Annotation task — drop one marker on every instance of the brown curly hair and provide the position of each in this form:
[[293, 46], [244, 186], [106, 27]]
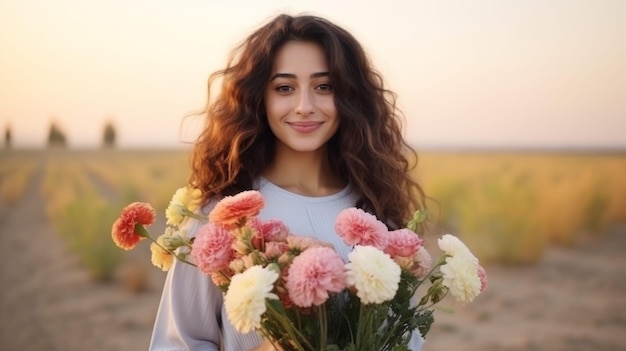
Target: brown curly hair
[[368, 150]]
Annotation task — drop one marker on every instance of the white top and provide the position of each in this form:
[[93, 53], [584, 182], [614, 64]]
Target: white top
[[191, 314]]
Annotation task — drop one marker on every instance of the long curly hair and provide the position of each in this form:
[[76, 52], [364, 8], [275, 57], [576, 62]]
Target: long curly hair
[[368, 150]]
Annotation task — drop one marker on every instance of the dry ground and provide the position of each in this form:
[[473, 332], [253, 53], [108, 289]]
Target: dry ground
[[573, 300]]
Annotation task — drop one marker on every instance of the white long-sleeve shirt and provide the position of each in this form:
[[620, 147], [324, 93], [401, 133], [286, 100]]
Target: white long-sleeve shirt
[[191, 314]]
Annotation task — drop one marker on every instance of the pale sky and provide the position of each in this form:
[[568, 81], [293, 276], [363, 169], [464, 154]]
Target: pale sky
[[480, 73]]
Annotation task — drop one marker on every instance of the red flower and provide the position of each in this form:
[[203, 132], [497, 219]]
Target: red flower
[[129, 229], [230, 211]]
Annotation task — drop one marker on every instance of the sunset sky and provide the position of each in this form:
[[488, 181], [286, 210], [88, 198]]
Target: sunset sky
[[481, 73]]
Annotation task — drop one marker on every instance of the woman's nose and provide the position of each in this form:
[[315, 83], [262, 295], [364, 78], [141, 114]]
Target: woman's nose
[[304, 105]]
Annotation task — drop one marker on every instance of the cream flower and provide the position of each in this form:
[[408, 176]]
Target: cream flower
[[245, 299], [460, 276], [161, 258], [373, 273], [452, 246], [184, 199]]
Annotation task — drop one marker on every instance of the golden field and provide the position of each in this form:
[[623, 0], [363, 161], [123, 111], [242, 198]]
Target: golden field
[[508, 207], [549, 229]]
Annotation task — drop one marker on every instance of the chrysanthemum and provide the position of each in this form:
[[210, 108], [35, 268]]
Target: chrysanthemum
[[245, 299], [160, 257], [373, 273], [229, 211], [129, 228], [460, 276], [211, 250], [314, 274], [357, 227], [452, 246]]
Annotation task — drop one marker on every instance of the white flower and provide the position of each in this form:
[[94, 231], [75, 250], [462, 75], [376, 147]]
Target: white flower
[[373, 273], [460, 272], [460, 276], [245, 299], [185, 198], [452, 246]]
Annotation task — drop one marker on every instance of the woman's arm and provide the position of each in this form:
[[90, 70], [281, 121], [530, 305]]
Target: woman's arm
[[188, 317]]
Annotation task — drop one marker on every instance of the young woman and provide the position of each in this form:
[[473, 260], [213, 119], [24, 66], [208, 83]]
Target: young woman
[[303, 118]]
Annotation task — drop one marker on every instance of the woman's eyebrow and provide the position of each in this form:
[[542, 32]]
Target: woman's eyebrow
[[292, 76]]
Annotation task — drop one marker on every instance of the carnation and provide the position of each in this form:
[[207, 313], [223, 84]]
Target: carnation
[[129, 228], [423, 263], [482, 275], [231, 210], [313, 275], [357, 227], [299, 244], [373, 273], [160, 256], [460, 276], [211, 250], [245, 300], [184, 199], [270, 230], [403, 242]]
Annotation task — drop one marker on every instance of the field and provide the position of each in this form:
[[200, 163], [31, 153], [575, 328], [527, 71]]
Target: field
[[549, 227]]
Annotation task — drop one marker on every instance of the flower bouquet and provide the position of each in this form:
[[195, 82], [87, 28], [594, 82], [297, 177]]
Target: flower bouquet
[[296, 290]]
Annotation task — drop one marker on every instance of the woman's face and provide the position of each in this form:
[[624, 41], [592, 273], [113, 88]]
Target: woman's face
[[299, 98]]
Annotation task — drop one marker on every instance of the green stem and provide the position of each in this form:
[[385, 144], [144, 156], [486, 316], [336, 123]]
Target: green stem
[[321, 310], [440, 262], [294, 334], [170, 251], [194, 215]]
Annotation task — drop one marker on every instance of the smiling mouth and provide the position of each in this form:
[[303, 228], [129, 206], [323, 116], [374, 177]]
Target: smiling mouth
[[305, 127]]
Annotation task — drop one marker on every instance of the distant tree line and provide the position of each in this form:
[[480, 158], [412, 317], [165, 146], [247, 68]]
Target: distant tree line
[[57, 139], [7, 137]]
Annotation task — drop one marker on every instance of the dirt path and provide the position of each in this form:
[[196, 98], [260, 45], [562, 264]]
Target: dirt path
[[574, 300], [48, 301]]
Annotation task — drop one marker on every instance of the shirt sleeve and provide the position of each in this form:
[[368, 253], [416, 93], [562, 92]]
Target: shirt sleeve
[[416, 342], [188, 316]]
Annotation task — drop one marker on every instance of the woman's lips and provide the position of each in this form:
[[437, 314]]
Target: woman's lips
[[305, 127]]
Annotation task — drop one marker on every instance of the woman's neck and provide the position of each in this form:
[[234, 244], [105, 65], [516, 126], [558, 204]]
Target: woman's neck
[[305, 173]]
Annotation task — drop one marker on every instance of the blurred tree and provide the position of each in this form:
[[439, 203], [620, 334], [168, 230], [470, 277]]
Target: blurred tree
[[56, 137], [108, 139], [7, 137]]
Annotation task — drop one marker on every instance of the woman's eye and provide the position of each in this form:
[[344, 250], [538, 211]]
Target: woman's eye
[[284, 88], [325, 87]]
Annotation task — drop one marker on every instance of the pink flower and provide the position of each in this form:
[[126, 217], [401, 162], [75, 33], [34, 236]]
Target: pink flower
[[275, 249], [403, 242], [211, 250], [129, 229], [299, 243], [266, 231], [232, 209], [482, 275], [274, 230], [313, 274], [357, 227], [423, 262]]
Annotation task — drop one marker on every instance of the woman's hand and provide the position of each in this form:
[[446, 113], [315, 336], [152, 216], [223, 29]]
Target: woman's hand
[[267, 346]]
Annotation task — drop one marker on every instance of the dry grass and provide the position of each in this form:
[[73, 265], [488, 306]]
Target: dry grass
[[508, 207]]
